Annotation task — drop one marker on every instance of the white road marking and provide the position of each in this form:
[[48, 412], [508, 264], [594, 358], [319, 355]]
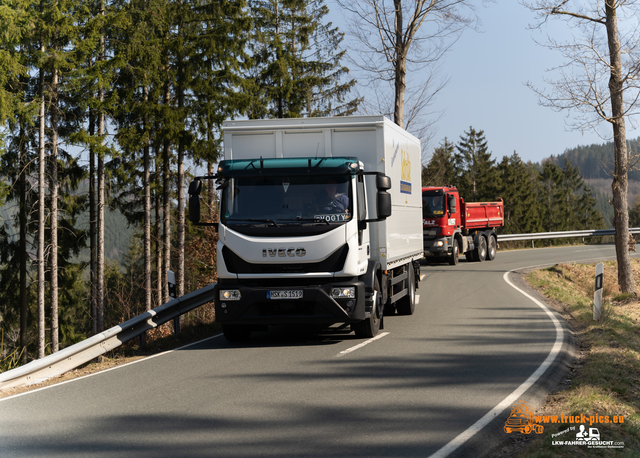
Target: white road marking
[[515, 395], [366, 342]]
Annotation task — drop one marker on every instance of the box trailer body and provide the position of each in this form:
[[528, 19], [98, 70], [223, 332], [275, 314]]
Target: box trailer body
[[453, 226], [285, 256]]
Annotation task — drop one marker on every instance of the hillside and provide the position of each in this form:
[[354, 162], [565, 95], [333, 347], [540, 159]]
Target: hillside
[[117, 232], [596, 163]]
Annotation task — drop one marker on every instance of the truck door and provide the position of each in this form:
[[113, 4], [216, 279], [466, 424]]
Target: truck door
[[363, 229], [453, 210]]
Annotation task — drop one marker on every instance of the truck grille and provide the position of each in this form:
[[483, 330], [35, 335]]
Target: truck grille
[[333, 263]]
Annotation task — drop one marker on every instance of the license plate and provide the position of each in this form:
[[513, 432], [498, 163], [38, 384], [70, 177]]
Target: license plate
[[285, 294]]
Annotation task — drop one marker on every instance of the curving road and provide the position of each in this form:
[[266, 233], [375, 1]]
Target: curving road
[[426, 385]]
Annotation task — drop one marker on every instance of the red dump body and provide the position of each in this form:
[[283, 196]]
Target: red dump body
[[478, 215]]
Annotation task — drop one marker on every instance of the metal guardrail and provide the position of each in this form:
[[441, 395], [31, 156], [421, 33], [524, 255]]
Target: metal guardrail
[[561, 235], [71, 357]]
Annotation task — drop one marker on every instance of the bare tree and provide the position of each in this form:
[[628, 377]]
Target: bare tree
[[599, 82], [400, 38]]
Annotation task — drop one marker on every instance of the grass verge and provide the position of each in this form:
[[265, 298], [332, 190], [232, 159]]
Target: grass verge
[[604, 381]]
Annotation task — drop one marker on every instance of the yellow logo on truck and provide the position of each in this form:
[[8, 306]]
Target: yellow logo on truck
[[405, 178]]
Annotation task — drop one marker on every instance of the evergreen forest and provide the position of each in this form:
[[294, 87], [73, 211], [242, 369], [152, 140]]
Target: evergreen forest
[[107, 109]]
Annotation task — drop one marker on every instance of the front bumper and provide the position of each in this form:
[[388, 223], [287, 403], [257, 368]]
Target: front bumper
[[438, 246], [315, 307]]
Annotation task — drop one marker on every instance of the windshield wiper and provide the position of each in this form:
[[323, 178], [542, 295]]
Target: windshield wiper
[[255, 220], [312, 220]]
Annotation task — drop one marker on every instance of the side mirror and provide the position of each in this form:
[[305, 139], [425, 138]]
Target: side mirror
[[195, 187], [383, 204], [194, 208], [451, 203], [194, 201], [383, 182]]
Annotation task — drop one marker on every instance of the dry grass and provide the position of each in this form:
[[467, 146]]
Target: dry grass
[[605, 377]]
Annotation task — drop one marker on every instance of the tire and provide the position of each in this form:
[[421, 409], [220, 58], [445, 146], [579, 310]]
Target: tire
[[492, 247], [455, 253], [369, 327], [407, 304], [470, 255], [481, 250], [236, 333]]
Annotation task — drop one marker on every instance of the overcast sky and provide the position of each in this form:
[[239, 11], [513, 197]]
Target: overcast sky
[[486, 90]]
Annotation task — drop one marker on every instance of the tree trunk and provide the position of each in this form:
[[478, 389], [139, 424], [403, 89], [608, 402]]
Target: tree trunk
[[181, 203], [93, 274], [212, 190], [401, 67], [166, 204], [147, 216], [100, 233], [159, 267], [22, 189], [620, 183], [53, 190], [41, 217]]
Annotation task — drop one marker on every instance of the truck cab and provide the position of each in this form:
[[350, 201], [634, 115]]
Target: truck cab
[[442, 221]]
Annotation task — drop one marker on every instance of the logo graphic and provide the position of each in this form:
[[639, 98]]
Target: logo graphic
[[405, 178], [522, 420], [592, 435], [283, 252]]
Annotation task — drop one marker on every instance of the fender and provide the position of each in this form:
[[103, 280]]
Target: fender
[[368, 278], [373, 269]]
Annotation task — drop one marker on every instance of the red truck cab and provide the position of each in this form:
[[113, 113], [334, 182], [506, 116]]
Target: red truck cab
[[452, 227]]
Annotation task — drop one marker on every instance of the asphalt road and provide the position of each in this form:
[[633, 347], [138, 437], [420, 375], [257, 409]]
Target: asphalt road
[[427, 379]]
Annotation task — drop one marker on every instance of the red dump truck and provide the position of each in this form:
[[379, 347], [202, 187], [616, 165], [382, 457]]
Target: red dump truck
[[452, 226]]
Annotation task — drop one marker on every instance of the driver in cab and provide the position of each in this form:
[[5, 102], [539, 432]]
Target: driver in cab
[[332, 201]]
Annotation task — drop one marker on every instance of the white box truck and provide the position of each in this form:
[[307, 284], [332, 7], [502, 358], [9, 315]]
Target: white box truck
[[320, 223]]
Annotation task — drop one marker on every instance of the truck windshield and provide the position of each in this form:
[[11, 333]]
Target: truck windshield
[[432, 204], [286, 201]]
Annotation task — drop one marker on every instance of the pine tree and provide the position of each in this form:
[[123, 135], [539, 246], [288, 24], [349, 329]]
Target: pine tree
[[476, 171], [551, 179], [440, 169], [521, 205], [295, 63]]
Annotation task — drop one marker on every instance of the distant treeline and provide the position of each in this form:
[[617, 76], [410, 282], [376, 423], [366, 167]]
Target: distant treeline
[[596, 161]]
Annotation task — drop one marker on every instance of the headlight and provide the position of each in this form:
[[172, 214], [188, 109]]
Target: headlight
[[439, 243], [343, 293], [230, 295]]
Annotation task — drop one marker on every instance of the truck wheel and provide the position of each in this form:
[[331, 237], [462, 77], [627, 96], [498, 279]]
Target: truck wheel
[[492, 248], [455, 253], [481, 251], [236, 333], [369, 327], [407, 304]]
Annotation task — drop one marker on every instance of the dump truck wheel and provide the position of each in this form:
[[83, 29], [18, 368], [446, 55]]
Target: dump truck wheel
[[492, 248]]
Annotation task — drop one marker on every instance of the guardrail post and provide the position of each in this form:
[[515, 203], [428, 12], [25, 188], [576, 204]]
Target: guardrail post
[[532, 244], [597, 296], [171, 279]]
